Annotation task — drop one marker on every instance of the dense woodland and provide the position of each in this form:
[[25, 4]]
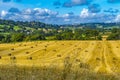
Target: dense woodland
[[11, 31]]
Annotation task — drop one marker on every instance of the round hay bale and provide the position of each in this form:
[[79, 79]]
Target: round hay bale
[[30, 58], [54, 50], [10, 54], [27, 52], [59, 55], [12, 49], [32, 47], [98, 59], [77, 60], [13, 58], [117, 47], [86, 50]]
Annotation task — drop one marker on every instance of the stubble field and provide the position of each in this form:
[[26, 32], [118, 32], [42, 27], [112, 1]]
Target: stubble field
[[98, 57]]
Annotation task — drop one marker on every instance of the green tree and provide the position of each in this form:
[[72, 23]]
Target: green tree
[[6, 39], [17, 37], [37, 37], [1, 37]]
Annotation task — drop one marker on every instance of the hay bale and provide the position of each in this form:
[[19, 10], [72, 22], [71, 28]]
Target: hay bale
[[75, 45], [67, 57], [30, 58], [77, 60], [58, 55], [45, 46], [79, 48], [86, 50], [20, 44], [114, 58], [10, 54], [98, 59], [12, 49], [55, 50], [45, 49], [13, 58], [27, 52], [117, 47], [32, 47], [25, 45]]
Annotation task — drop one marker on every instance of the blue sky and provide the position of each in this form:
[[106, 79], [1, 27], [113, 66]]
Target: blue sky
[[61, 11]]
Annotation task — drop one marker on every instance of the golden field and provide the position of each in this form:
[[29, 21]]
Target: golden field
[[98, 56]]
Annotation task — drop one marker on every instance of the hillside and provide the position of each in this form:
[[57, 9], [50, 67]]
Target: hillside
[[11, 31]]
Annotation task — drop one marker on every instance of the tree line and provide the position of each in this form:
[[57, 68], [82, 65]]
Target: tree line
[[11, 31]]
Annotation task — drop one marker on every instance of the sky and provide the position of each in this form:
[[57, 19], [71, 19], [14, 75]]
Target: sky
[[61, 11]]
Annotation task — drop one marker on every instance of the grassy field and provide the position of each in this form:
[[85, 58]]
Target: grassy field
[[60, 60]]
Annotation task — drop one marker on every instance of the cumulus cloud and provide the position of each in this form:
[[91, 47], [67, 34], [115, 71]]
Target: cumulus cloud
[[3, 13], [28, 14], [71, 3], [88, 17], [94, 8], [117, 19], [27, 11], [69, 15], [84, 13], [44, 12], [52, 17]]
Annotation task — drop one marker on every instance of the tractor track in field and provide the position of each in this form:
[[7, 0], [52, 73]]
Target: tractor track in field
[[65, 52], [21, 50], [102, 56], [104, 65], [113, 58], [52, 54], [33, 50], [16, 48], [87, 54]]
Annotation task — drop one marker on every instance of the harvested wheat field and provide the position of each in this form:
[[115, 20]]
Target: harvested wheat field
[[102, 57]]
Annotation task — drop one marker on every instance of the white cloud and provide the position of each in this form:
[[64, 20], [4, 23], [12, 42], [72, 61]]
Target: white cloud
[[3, 13], [66, 15], [44, 12], [84, 13], [39, 14], [79, 1], [27, 17], [27, 11], [117, 19], [49, 16], [66, 20]]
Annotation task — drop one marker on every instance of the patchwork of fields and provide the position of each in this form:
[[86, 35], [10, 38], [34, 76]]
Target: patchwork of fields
[[97, 56]]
